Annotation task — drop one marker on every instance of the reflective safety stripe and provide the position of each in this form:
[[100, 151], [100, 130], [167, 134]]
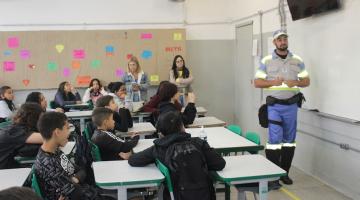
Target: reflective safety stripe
[[303, 74], [297, 57], [260, 74], [266, 58], [283, 87], [273, 146], [289, 144]]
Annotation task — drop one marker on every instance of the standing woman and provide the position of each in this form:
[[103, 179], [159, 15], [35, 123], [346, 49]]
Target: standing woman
[[66, 95], [136, 81], [180, 74], [7, 106], [95, 91]]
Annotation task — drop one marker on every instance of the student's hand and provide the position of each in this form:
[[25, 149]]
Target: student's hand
[[59, 110], [61, 197], [75, 180], [191, 97], [278, 81], [73, 90], [291, 83], [125, 156]]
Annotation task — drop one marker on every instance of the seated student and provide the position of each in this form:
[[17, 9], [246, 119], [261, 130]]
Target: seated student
[[169, 95], [21, 137], [7, 106], [111, 147], [118, 91], [58, 177], [189, 166], [66, 95], [95, 91], [38, 97], [122, 116]]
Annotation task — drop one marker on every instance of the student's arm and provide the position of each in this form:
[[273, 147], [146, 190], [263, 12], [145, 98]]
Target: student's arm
[[34, 138], [117, 145], [103, 91], [77, 96], [142, 158], [172, 77], [86, 96], [214, 160], [187, 81]]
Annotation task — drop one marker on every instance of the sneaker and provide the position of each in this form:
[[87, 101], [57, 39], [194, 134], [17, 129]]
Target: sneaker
[[274, 185], [286, 180]]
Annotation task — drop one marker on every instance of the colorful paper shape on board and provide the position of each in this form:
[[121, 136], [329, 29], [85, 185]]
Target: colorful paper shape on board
[[13, 42], [26, 82], [32, 66], [173, 49], [146, 36], [177, 36], [95, 64], [66, 72], [119, 72], [79, 54], [7, 53], [25, 54], [52, 66], [59, 48], [109, 50], [83, 80], [128, 56], [154, 78], [146, 54], [9, 66], [75, 64]]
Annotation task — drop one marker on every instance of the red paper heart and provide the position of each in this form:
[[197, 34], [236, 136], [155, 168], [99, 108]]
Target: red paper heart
[[31, 66], [128, 56], [26, 82]]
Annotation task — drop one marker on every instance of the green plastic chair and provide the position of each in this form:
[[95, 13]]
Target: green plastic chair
[[95, 151], [34, 184], [165, 171], [52, 104], [254, 137], [235, 128], [5, 124]]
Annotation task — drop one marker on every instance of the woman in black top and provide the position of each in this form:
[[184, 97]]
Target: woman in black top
[[66, 95]]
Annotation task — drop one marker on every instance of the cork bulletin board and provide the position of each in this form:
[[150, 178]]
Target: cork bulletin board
[[43, 59]]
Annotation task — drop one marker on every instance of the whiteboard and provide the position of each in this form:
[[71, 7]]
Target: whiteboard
[[330, 47]]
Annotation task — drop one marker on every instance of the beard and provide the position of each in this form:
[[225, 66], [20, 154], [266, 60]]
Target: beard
[[282, 48]]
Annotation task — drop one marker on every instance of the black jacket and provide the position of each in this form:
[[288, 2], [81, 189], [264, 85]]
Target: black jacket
[[187, 116], [214, 160], [123, 120], [110, 145]]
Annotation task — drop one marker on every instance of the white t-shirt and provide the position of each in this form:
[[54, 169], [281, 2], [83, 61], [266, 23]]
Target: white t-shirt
[[5, 112]]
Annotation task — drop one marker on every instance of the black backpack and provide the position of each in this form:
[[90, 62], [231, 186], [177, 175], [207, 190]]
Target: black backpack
[[188, 170]]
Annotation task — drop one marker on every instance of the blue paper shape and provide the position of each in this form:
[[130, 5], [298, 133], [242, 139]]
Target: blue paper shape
[[146, 54]]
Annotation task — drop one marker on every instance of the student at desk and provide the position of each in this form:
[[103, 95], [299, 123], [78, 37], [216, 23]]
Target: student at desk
[[122, 116], [95, 91], [118, 91], [169, 94], [66, 95], [21, 137], [7, 106], [190, 169], [38, 97], [111, 147], [58, 177]]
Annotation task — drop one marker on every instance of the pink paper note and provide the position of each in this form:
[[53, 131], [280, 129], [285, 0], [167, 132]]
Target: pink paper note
[[25, 54], [66, 72], [119, 72], [79, 54], [13, 42], [146, 36], [9, 66]]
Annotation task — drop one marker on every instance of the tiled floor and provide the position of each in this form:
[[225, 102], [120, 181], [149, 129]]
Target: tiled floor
[[305, 187]]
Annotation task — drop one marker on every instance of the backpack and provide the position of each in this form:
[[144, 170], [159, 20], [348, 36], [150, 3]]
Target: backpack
[[188, 170], [263, 116]]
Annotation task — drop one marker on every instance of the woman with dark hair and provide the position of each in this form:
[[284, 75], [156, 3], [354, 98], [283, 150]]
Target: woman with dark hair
[[95, 91], [180, 74], [66, 95], [169, 95], [118, 91], [7, 106], [136, 81], [39, 98], [21, 137]]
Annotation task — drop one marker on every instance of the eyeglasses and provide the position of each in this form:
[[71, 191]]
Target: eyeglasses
[[179, 61]]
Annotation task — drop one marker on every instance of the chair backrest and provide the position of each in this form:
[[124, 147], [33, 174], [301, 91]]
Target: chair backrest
[[165, 171], [34, 184], [5, 124], [235, 128], [254, 137], [95, 151]]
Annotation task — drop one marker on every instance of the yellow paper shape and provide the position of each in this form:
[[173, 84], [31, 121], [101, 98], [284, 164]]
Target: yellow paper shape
[[177, 36], [154, 78], [59, 48]]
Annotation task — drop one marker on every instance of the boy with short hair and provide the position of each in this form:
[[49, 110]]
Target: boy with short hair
[[58, 177], [111, 147]]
